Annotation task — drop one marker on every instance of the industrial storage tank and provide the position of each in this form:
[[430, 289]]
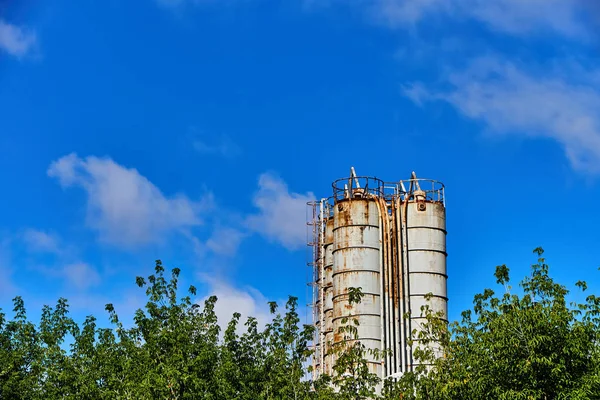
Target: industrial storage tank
[[389, 240], [356, 264], [424, 220]]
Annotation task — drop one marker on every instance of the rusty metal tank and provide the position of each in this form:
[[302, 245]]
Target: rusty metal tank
[[356, 263], [424, 217], [389, 240]]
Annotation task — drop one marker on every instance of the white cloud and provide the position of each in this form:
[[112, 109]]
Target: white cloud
[[249, 302], [225, 241], [282, 215], [510, 100], [40, 241], [16, 41], [408, 12], [220, 145], [124, 206], [509, 16], [7, 286], [76, 276], [80, 275], [518, 16]]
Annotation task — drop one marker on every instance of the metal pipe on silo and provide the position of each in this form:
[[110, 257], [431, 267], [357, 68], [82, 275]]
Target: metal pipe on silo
[[396, 284], [400, 244], [386, 298], [389, 294]]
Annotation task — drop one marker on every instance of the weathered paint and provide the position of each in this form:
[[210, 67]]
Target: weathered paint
[[426, 239], [356, 251], [392, 244]]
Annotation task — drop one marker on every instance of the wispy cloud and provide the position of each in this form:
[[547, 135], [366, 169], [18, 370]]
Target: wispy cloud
[[123, 206], [220, 145], [509, 99], [15, 40], [65, 263], [516, 17], [282, 214], [77, 276], [39, 241], [81, 275], [557, 101], [7, 286], [225, 241], [280, 218]]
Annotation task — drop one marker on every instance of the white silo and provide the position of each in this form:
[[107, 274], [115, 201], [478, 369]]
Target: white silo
[[423, 218], [356, 263], [389, 240]]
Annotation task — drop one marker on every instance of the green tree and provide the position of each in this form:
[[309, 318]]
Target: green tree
[[533, 345]]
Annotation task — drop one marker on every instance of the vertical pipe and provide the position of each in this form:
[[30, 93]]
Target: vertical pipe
[[389, 298], [409, 358], [385, 306], [402, 295], [396, 284], [391, 292], [386, 294]]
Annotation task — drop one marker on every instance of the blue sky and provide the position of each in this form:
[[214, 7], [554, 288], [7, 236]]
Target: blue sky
[[194, 131]]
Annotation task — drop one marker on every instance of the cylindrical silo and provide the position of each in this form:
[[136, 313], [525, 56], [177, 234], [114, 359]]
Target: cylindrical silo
[[356, 263], [424, 220], [389, 240]]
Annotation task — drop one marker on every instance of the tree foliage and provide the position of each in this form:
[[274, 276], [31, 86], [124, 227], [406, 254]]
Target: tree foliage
[[525, 344], [531, 345]]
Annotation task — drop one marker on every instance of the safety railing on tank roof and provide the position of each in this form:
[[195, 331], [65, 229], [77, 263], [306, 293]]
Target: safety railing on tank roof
[[434, 190], [357, 187]]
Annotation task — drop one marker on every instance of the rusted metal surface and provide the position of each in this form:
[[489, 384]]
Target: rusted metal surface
[[426, 240], [356, 251], [389, 239]]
